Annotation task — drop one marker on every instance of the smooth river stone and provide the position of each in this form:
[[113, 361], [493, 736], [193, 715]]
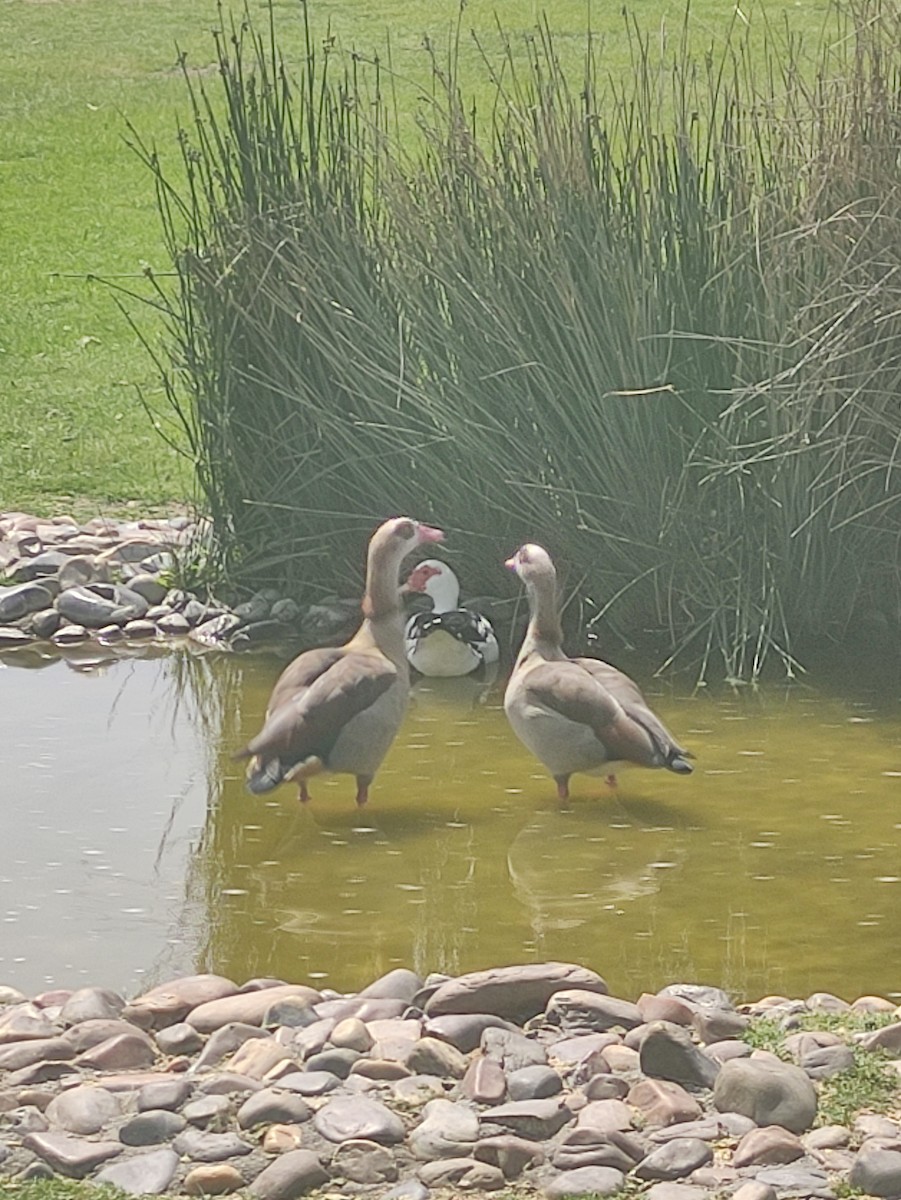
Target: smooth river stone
[[270, 1105], [763, 1147], [151, 1127], [877, 1172], [447, 1130], [352, 1034], [511, 1154], [364, 1162], [201, 1146], [662, 1102], [605, 1115], [91, 1004], [430, 1056], [212, 1179], [512, 1050], [399, 984], [355, 1117], [247, 1007], [83, 1109], [257, 1057], [17, 1055], [584, 1181], [87, 1034], [24, 1022], [769, 1092], [533, 1083], [75, 1157], [464, 1173], [575, 1009], [225, 1041], [515, 993], [464, 1030], [119, 1053], [667, 1052], [168, 1094], [290, 1175], [206, 1109], [665, 1008], [675, 1159], [570, 1052], [171, 1002], [142, 1174], [484, 1081], [533, 1119]]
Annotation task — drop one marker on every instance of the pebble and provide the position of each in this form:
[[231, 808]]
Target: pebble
[[458, 1101]]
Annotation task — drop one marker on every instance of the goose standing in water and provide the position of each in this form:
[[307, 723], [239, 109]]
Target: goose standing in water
[[577, 714], [448, 640], [338, 709]]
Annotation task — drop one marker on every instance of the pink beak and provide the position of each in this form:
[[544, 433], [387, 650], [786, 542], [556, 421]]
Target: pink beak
[[511, 563], [428, 534]]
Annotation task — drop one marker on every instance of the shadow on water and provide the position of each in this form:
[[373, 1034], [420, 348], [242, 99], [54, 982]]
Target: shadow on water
[[137, 853]]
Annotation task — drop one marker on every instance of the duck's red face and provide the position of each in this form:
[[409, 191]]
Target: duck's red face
[[420, 576]]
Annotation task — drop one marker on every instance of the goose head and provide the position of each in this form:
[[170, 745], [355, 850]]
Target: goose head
[[389, 546], [533, 565], [436, 580]]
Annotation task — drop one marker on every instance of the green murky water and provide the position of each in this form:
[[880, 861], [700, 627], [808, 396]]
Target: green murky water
[[133, 853]]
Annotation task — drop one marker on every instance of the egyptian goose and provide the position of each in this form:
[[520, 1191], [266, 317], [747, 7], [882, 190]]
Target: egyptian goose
[[576, 714], [449, 640], [339, 708]]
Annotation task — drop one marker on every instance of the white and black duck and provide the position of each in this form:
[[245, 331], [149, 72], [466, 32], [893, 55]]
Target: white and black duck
[[448, 640]]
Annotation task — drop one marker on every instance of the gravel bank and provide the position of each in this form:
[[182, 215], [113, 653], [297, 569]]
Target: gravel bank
[[531, 1078]]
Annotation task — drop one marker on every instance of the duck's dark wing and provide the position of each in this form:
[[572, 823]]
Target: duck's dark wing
[[304, 722], [460, 623], [627, 692]]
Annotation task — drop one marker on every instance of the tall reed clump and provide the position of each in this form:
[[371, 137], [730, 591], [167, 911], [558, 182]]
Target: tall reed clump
[[653, 321]]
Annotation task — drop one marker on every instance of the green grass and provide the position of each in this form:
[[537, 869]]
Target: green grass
[[75, 202]]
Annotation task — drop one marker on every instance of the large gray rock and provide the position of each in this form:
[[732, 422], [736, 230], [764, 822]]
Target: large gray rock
[[291, 1174], [769, 1092], [515, 993], [464, 1030], [151, 1127], [356, 1117], [675, 1159], [532, 1119], [467, 1174], [447, 1130], [584, 1181], [143, 1174], [23, 598], [767, 1146], [668, 1052], [91, 1004], [364, 1162], [512, 1050], [171, 1002], [75, 1157], [247, 1007], [271, 1105], [575, 1009], [201, 1146], [877, 1172], [83, 1109]]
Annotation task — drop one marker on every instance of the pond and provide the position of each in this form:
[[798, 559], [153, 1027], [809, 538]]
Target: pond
[[132, 852]]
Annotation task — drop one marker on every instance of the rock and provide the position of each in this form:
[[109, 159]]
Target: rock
[[23, 598], [718, 1025], [246, 1007], [515, 993], [532, 1119], [148, 587], [591, 1148], [216, 631], [509, 1153], [207, 1109], [399, 984], [584, 1181], [447, 1130], [279, 1138], [755, 1191], [171, 1002], [364, 1162], [87, 1034], [533, 1083], [796, 1180], [259, 1057], [464, 1030], [606, 1087], [575, 1051], [675, 1159], [464, 1173], [12, 638], [170, 1094], [667, 1052], [662, 1102], [763, 1147], [710, 1128], [605, 1115], [225, 1083], [76, 571], [271, 1105], [429, 1056], [202, 1146], [291, 1175], [877, 1172], [512, 1050], [119, 1053], [175, 624], [70, 635], [139, 629], [226, 1041], [83, 1109], [178, 1039], [887, 1038], [355, 1117], [574, 1009], [17, 1055], [675, 1191], [75, 1157], [309, 1083], [91, 1003], [142, 1174], [698, 995], [151, 1127], [337, 1061], [770, 1093], [484, 1081], [45, 623], [212, 1179]]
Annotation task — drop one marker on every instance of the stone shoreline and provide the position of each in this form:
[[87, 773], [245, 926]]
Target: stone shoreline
[[528, 1078]]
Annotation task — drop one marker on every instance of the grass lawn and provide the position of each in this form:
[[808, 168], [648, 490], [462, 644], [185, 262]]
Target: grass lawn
[[75, 202]]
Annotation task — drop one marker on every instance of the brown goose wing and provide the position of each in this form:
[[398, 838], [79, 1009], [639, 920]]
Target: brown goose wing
[[306, 721], [635, 707], [301, 673]]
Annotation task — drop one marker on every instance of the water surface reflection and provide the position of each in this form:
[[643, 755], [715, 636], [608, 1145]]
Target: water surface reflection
[[773, 868]]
